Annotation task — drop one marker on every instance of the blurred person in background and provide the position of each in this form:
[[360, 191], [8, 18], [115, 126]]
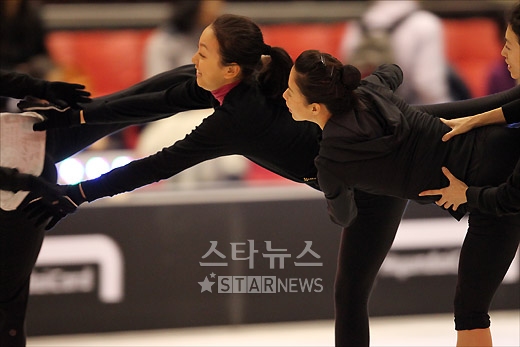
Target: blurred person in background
[[417, 43], [22, 42], [174, 43]]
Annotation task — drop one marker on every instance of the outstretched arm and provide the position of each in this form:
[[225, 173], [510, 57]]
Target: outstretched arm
[[464, 108], [216, 136], [464, 124], [157, 97], [462, 116], [165, 94], [12, 180], [18, 85]]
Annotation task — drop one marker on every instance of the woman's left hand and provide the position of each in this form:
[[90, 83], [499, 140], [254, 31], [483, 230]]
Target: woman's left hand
[[453, 195]]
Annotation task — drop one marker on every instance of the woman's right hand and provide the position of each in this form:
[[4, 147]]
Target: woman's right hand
[[463, 125]]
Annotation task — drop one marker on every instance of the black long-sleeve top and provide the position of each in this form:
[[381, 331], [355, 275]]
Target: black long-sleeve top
[[247, 123], [505, 198], [162, 95], [395, 149]]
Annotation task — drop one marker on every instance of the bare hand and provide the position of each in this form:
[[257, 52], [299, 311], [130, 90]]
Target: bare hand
[[453, 195], [458, 126]]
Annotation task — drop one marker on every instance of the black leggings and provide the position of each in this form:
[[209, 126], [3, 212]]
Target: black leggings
[[20, 245], [364, 246], [487, 252]]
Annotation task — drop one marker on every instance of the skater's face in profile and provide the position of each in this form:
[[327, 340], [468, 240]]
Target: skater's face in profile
[[296, 102], [211, 73], [511, 53]]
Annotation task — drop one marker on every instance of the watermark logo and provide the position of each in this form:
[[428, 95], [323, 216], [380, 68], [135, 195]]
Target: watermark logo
[[277, 258]]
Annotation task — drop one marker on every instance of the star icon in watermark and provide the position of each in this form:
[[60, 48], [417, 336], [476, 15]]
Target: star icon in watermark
[[206, 285]]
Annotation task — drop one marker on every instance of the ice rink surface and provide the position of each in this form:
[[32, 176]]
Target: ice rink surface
[[425, 330]]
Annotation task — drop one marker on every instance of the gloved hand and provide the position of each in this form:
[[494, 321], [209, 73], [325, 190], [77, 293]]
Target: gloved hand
[[66, 94], [14, 181], [55, 117], [50, 210]]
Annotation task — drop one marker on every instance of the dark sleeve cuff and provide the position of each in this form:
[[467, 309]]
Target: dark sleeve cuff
[[90, 191], [472, 194], [512, 112], [485, 200]]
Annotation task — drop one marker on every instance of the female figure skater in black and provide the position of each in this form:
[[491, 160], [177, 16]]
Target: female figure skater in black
[[373, 141], [505, 198]]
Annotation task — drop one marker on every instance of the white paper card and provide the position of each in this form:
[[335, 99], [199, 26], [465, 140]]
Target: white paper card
[[20, 148]]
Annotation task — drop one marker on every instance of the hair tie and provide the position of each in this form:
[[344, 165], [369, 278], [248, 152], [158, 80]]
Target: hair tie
[[267, 50]]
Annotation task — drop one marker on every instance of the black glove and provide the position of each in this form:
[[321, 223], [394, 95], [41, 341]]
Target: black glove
[[14, 181], [55, 117], [46, 209], [66, 94]]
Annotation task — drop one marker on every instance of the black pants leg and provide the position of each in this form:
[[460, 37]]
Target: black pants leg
[[488, 250], [20, 244], [364, 246]]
